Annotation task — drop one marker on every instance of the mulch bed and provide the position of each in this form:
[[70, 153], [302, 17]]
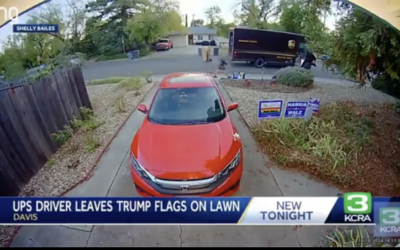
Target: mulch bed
[[265, 86]]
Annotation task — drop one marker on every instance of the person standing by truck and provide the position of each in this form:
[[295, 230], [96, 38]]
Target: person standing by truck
[[308, 59]]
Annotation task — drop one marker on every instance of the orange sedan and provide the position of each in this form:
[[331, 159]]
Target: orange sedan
[[187, 144]]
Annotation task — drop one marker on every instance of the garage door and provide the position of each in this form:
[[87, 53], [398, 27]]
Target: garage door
[[179, 41]]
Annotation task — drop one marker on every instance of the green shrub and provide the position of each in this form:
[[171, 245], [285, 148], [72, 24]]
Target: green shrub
[[295, 77], [62, 136], [92, 142]]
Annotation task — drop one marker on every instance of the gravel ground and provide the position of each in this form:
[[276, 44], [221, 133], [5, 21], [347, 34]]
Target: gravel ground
[[248, 98], [72, 163]]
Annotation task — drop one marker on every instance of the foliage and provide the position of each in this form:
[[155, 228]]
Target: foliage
[[213, 16], [62, 136], [98, 28], [89, 121], [337, 146], [130, 84], [295, 77], [362, 44], [197, 22], [92, 143], [255, 13], [111, 57], [153, 22], [351, 237], [48, 70], [110, 80]]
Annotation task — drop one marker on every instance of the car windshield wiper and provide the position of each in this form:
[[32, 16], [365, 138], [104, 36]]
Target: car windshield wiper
[[156, 121], [193, 123]]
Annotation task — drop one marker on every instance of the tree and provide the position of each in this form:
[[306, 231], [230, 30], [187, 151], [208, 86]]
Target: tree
[[197, 22], [76, 20], [153, 22], [213, 15], [255, 13], [116, 14], [223, 29], [362, 43]]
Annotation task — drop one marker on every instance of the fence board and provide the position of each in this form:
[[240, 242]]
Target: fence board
[[29, 114]]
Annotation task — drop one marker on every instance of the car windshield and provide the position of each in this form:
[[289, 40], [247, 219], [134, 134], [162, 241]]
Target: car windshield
[[187, 106], [163, 41]]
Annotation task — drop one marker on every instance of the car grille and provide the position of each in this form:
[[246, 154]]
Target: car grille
[[193, 187]]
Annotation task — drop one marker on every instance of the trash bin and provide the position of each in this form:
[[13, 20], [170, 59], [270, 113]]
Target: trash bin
[[130, 55], [133, 54], [216, 51], [136, 54]]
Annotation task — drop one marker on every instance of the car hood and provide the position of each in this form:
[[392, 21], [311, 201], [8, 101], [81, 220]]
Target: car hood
[[185, 152]]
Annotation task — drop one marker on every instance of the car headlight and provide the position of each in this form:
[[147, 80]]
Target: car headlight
[[231, 166], [140, 170]]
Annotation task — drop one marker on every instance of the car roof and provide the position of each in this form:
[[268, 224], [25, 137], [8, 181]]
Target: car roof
[[187, 80]]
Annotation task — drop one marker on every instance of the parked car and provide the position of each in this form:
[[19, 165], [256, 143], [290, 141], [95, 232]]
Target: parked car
[[205, 43], [164, 44], [213, 43], [188, 113]]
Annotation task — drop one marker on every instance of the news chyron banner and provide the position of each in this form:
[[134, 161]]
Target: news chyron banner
[[353, 208], [11, 11]]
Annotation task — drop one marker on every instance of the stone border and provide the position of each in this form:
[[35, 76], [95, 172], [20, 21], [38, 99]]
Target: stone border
[[89, 174]]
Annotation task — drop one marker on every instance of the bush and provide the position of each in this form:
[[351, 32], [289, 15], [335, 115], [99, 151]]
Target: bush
[[387, 85], [295, 77]]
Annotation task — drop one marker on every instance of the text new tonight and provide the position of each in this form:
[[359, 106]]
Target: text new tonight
[[39, 206]]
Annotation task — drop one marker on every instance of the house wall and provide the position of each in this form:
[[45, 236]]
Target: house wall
[[179, 40]]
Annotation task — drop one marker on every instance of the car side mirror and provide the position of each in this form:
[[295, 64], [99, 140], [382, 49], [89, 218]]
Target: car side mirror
[[142, 108], [233, 106]]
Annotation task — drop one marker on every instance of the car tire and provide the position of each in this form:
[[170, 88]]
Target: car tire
[[259, 62]]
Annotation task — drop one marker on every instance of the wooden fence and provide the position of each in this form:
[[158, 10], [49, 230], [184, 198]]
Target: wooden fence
[[29, 114]]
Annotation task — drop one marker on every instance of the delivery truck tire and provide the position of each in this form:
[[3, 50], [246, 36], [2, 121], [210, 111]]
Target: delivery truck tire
[[259, 62]]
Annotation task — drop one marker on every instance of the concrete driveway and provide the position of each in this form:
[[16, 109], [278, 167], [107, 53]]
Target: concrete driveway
[[112, 178]]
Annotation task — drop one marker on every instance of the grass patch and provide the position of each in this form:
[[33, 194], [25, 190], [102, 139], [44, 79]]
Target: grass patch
[[111, 80], [342, 146], [111, 57], [130, 84]]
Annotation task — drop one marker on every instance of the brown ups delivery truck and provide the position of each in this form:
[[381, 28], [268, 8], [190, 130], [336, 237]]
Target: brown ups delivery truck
[[264, 47]]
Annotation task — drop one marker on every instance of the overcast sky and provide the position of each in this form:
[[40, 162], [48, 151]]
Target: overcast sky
[[189, 7]]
